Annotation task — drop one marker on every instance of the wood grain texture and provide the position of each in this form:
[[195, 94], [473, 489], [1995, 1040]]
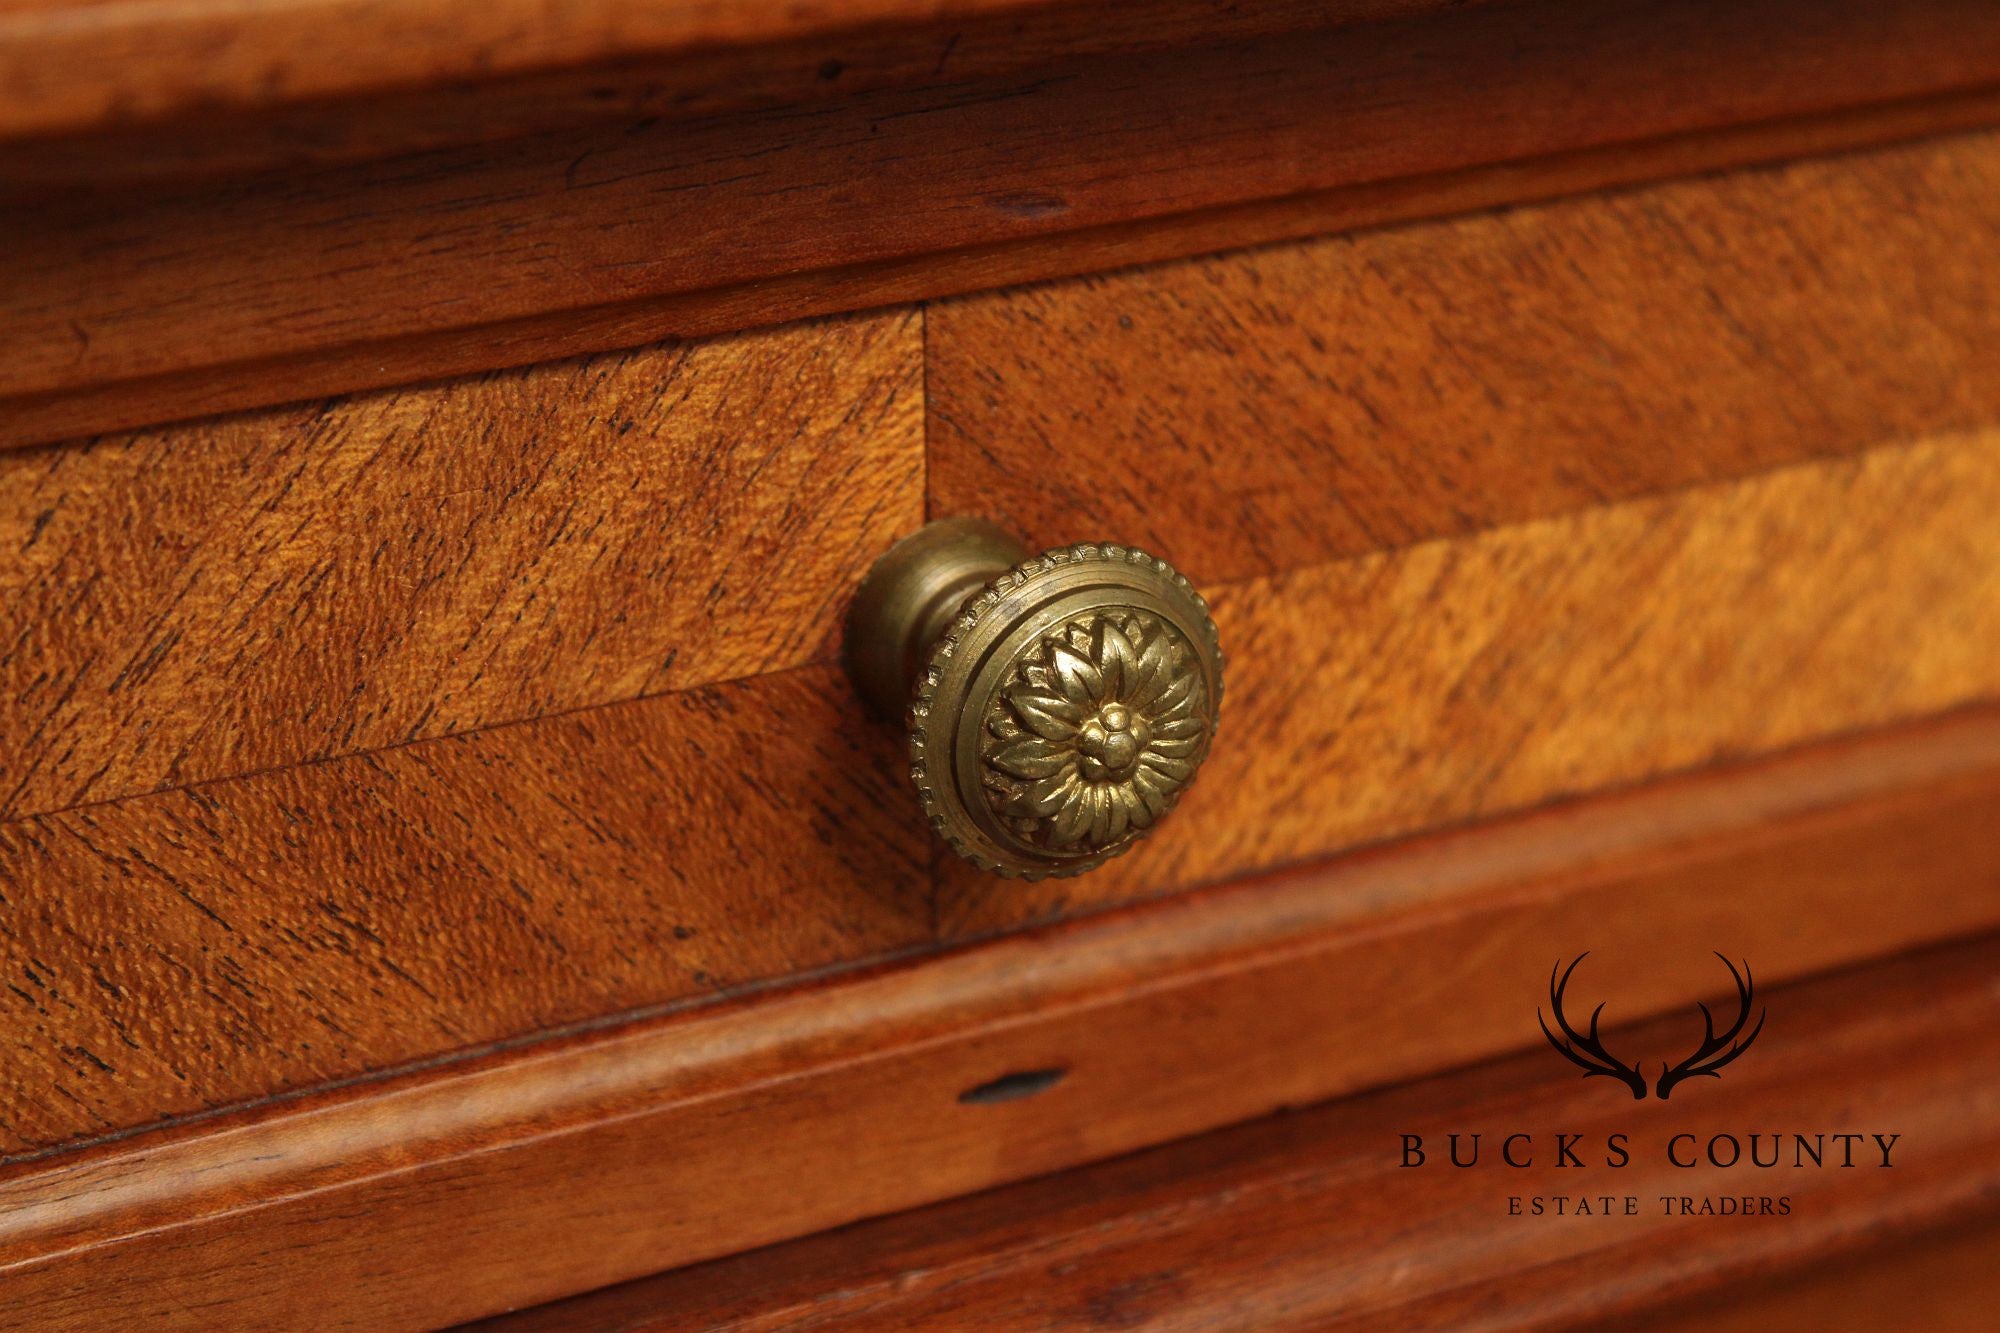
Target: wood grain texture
[[921, 276], [1309, 1221], [1943, 1282], [147, 95], [1455, 679], [541, 1172], [167, 955], [78, 66], [113, 310], [1553, 658], [293, 585], [66, 66], [1257, 412]]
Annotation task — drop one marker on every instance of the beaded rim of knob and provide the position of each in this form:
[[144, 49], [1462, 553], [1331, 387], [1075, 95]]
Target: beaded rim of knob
[[1180, 717]]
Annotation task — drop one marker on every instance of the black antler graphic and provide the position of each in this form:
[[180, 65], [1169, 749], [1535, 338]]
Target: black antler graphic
[[1594, 1059], [1711, 1056]]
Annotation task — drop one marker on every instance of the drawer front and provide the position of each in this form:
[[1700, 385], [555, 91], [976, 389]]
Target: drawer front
[[351, 737], [1253, 413], [346, 736], [289, 586], [1417, 688], [1521, 506]]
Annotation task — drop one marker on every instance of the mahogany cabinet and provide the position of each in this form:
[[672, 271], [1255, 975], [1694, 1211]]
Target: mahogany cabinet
[[1463, 490]]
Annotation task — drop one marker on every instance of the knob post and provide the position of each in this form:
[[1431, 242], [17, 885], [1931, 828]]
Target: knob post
[[913, 592]]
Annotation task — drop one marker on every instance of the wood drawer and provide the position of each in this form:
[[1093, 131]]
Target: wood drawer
[[442, 808], [433, 719], [403, 725]]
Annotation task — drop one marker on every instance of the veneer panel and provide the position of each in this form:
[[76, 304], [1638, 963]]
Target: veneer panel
[[1251, 413], [171, 954], [293, 585], [1451, 680]]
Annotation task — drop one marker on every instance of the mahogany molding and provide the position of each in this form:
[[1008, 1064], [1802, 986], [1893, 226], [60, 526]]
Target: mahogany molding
[[114, 91], [143, 305], [1942, 1279], [1311, 1221], [528, 1174]]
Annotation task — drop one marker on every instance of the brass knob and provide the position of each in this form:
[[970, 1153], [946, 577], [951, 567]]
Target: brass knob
[[1058, 704]]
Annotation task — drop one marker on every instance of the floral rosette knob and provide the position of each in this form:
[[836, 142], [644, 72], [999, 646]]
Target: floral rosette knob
[[1097, 731], [1058, 705]]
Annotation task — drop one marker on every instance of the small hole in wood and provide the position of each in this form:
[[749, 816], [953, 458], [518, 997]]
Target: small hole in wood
[[1013, 1087]]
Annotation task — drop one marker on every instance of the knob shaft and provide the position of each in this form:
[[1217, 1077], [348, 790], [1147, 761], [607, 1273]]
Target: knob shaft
[[1057, 704]]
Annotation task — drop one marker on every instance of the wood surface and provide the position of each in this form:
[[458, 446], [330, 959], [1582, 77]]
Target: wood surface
[[278, 588], [173, 954], [1455, 679], [144, 94], [527, 1174], [1308, 1220], [1256, 412], [411, 804], [512, 871], [70, 67], [129, 308], [1946, 1282], [921, 276], [1719, 621], [1509, 366]]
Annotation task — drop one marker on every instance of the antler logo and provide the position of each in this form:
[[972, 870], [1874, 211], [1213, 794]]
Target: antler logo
[[1587, 1052]]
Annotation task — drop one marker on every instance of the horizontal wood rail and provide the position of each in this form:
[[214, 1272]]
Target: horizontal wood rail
[[528, 1174], [71, 69], [1312, 1220], [127, 307]]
